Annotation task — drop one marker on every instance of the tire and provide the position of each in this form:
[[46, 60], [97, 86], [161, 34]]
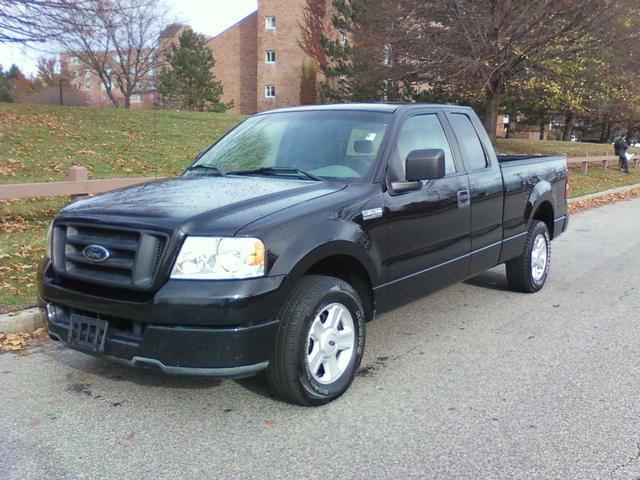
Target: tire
[[528, 272], [297, 365]]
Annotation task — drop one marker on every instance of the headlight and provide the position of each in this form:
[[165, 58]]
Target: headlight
[[49, 240], [219, 258]]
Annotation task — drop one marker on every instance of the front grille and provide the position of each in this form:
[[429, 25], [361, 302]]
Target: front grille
[[134, 256]]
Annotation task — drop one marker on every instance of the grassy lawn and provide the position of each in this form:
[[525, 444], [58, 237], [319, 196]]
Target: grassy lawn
[[39, 143], [571, 149], [597, 179], [23, 228]]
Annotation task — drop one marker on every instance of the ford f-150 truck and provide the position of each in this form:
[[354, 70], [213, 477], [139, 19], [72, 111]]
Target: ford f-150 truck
[[283, 239]]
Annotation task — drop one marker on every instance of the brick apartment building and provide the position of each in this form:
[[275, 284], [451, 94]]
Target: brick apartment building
[[258, 61], [89, 84]]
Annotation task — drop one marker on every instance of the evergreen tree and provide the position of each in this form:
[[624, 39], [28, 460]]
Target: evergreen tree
[[186, 80], [6, 85]]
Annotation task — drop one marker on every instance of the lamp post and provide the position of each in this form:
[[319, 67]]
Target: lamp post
[[61, 79]]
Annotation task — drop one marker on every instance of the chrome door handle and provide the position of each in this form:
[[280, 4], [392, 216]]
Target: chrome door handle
[[464, 199]]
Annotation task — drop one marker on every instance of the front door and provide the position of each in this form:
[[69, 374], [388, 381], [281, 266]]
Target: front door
[[428, 230]]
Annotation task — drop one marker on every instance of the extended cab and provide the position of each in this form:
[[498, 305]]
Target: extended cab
[[279, 243]]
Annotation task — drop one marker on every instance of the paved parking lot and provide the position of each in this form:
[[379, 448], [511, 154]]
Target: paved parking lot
[[472, 382]]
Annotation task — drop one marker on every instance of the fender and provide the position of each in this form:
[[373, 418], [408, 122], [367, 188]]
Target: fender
[[328, 239], [539, 194], [332, 249]]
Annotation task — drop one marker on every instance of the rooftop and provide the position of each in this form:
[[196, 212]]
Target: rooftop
[[369, 107]]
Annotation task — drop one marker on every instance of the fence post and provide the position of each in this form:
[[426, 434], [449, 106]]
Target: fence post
[[78, 174], [605, 162], [585, 165]]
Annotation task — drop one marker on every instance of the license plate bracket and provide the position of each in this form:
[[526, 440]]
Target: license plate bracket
[[87, 333]]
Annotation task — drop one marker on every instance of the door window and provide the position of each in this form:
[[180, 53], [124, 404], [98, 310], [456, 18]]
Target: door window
[[469, 141], [424, 132]]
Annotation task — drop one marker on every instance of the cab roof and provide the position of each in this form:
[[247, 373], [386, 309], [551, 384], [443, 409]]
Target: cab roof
[[367, 107]]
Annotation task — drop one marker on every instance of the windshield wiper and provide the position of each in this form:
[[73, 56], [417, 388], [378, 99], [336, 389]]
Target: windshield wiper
[[203, 166], [277, 171]]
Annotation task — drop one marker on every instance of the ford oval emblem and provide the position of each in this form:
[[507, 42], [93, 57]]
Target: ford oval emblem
[[96, 253]]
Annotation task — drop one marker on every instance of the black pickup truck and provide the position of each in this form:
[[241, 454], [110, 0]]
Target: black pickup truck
[[281, 240]]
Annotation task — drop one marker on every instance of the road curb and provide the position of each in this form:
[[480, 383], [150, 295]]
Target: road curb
[[604, 193], [22, 321]]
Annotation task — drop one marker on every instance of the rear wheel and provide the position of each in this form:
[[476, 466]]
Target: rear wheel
[[320, 341], [528, 272]]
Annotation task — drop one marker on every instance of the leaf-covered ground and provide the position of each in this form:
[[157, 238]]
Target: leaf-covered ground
[[39, 143], [23, 230]]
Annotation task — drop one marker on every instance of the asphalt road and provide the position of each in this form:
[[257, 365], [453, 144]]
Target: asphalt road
[[472, 382]]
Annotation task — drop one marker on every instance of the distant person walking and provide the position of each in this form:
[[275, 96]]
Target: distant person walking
[[620, 147]]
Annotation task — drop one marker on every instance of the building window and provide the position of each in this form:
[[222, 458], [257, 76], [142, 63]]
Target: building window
[[73, 61], [270, 56], [87, 86], [270, 91], [270, 23], [135, 98], [343, 39]]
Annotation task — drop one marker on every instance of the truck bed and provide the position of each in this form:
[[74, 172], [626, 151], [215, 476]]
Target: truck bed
[[526, 177], [528, 158]]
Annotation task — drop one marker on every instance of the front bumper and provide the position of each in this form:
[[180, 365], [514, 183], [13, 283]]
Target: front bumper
[[220, 329]]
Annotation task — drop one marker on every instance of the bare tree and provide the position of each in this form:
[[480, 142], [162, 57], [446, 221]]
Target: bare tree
[[486, 47], [36, 21], [312, 27], [48, 71], [118, 41], [493, 44]]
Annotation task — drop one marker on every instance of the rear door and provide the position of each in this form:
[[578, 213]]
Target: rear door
[[428, 241], [486, 187]]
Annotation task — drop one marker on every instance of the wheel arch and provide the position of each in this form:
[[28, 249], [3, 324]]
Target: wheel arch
[[540, 205], [346, 261]]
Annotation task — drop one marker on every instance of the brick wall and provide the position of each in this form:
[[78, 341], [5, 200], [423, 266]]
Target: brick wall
[[283, 40], [234, 51]]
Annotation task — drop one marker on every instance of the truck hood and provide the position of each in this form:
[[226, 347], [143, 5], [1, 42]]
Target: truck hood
[[220, 205]]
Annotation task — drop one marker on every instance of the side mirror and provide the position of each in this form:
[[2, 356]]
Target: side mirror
[[421, 165], [425, 165]]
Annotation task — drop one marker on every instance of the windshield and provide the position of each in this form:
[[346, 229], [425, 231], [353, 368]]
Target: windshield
[[325, 145]]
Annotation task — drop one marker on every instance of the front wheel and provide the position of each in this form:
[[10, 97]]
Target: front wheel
[[320, 341], [528, 272]]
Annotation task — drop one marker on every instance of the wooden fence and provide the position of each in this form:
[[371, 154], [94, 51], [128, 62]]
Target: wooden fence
[[79, 184], [604, 160]]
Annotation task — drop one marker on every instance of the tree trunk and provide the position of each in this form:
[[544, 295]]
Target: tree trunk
[[604, 127], [542, 127], [492, 97], [112, 98], [127, 101], [609, 125], [568, 125]]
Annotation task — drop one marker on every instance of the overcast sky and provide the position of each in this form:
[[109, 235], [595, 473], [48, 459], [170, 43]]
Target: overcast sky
[[205, 16]]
